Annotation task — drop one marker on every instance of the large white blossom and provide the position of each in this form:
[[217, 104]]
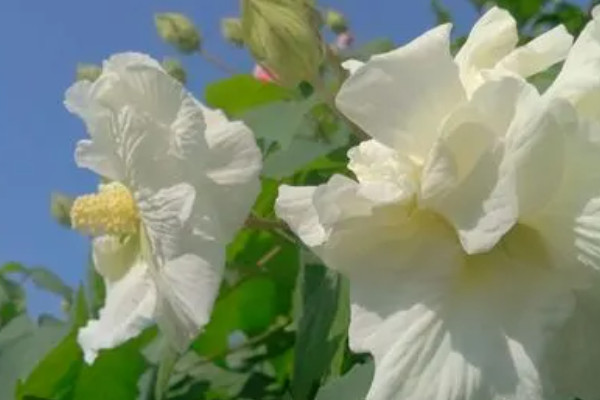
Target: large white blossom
[[491, 51], [179, 180], [471, 234]]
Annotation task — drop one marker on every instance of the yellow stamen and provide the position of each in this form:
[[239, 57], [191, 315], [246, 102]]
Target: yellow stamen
[[112, 211]]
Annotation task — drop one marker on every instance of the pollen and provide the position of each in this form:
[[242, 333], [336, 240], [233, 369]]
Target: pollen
[[111, 211]]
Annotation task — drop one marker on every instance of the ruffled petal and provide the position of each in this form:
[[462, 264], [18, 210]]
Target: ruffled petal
[[186, 257], [579, 81], [400, 98], [541, 53], [129, 308], [295, 206], [492, 38], [384, 174], [442, 328]]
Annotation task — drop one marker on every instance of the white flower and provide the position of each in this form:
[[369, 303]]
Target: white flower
[[471, 235], [182, 179], [490, 51]]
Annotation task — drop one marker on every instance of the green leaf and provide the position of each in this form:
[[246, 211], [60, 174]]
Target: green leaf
[[12, 268], [48, 280], [63, 375], [250, 307], [241, 93], [301, 153], [22, 344], [352, 386], [322, 326], [280, 121]]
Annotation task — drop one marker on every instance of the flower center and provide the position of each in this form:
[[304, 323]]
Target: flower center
[[111, 211]]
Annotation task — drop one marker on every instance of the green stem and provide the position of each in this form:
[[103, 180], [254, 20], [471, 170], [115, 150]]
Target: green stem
[[165, 369]]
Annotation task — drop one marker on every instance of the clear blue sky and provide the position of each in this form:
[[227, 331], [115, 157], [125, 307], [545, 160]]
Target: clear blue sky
[[42, 41]]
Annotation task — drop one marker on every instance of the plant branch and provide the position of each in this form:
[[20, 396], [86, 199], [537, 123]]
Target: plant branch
[[217, 62]]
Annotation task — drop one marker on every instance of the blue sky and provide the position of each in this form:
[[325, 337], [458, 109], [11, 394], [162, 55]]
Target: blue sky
[[42, 41]]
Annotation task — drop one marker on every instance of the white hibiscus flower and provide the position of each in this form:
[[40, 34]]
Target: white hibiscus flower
[[470, 235], [491, 51], [181, 179]]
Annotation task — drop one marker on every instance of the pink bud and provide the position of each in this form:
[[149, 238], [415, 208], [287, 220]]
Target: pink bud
[[262, 74], [344, 40]]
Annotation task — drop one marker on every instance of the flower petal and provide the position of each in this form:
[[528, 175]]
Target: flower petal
[[383, 173], [295, 206], [129, 309], [579, 81], [476, 334], [400, 98], [541, 53], [492, 38]]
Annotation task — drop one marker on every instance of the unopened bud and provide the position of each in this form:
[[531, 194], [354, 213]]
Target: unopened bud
[[283, 36], [231, 28], [336, 21], [60, 208], [179, 31], [175, 69], [88, 72], [344, 40]]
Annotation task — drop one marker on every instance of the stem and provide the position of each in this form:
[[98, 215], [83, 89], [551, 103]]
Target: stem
[[273, 329], [165, 368], [256, 222], [217, 62]]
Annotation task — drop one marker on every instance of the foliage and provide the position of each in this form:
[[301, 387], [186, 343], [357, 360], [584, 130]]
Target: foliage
[[279, 327]]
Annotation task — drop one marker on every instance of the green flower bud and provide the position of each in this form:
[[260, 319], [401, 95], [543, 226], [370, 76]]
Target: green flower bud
[[336, 21], [231, 28], [60, 208], [88, 72], [175, 69], [179, 31], [283, 36]]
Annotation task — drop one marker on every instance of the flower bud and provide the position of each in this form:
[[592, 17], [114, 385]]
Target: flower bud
[[60, 208], [175, 69], [344, 40], [231, 28], [179, 31], [87, 72], [283, 36], [336, 21]]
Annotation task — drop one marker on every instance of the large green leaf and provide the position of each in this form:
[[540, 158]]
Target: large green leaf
[[250, 307], [322, 327], [281, 121], [242, 92], [62, 373], [22, 344]]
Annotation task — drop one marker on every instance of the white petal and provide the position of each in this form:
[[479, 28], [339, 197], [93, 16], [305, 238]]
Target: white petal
[[478, 334], [101, 160], [352, 65], [384, 174], [187, 259], [541, 53], [129, 309], [188, 286], [295, 206], [461, 179], [579, 80], [400, 98], [492, 38], [114, 256], [570, 220], [167, 217], [142, 86], [119, 62]]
